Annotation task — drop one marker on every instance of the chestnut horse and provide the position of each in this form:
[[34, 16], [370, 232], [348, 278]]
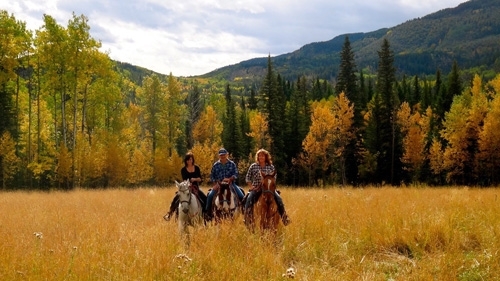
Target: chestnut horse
[[265, 210]]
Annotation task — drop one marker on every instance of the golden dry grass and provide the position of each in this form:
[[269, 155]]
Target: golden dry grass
[[336, 234]]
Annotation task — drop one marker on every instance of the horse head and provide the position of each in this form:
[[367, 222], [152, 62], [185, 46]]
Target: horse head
[[224, 196], [268, 184], [184, 195], [266, 208]]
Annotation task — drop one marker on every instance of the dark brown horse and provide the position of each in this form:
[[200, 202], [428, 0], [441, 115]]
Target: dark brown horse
[[225, 202], [265, 211]]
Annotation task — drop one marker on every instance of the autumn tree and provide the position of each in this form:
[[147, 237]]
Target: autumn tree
[[259, 130], [319, 141], [9, 161], [194, 108], [461, 129], [488, 158], [207, 139], [414, 128], [175, 114], [9, 52], [152, 100], [344, 133]]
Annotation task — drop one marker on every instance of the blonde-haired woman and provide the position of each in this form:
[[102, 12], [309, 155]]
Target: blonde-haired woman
[[263, 163]]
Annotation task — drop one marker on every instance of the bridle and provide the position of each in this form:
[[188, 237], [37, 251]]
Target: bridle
[[264, 187], [189, 195], [183, 190]]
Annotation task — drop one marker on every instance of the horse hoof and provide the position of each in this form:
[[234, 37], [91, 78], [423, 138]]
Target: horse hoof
[[286, 221], [167, 217]]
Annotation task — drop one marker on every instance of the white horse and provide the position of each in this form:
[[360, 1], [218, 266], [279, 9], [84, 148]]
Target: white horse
[[190, 209]]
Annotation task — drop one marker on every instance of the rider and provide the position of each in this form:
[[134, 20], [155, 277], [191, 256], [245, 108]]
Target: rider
[[190, 172], [223, 170], [264, 164]]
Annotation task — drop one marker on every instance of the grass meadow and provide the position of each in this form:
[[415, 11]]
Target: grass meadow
[[384, 233]]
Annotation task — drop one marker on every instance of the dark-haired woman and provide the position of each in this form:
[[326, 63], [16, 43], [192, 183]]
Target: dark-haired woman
[[190, 172]]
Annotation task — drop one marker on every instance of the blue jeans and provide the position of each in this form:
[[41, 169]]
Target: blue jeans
[[238, 191], [277, 197]]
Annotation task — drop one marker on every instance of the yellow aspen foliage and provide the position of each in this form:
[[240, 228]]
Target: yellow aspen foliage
[[37, 141], [259, 130], [479, 107], [414, 128], [97, 156], [344, 133], [462, 125], [117, 161], [140, 169], [64, 166], [205, 154], [167, 168], [495, 85], [343, 111], [320, 137], [489, 137], [208, 129], [9, 160], [436, 158]]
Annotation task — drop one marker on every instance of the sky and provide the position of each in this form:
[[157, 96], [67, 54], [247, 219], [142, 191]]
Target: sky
[[194, 37]]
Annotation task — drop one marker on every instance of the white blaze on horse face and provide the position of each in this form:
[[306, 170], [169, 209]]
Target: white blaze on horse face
[[269, 181]]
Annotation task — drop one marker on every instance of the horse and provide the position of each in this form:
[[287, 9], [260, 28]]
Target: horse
[[226, 203], [265, 210], [190, 209]]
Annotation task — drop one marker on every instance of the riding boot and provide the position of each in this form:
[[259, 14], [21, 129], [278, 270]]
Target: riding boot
[[281, 210], [173, 208], [208, 204]]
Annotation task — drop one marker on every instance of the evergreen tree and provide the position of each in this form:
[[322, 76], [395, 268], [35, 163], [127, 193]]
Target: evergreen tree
[[273, 106], [299, 119], [231, 133], [246, 143], [454, 87], [416, 95], [346, 79], [436, 90], [347, 84], [387, 145], [252, 102], [317, 92]]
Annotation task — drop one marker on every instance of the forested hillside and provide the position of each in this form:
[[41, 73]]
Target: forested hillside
[[71, 117], [468, 34]]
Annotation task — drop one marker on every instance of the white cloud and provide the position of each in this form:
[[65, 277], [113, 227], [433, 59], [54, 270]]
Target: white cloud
[[193, 37]]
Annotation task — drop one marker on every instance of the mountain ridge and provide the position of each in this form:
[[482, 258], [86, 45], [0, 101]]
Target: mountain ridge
[[468, 33]]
